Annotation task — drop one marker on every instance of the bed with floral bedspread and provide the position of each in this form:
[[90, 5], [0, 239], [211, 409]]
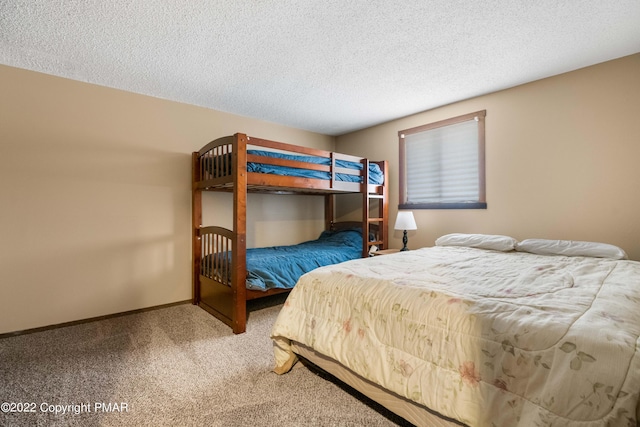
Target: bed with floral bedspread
[[484, 337]]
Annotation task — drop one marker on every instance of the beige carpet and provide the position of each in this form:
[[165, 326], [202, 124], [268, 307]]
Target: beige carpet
[[175, 366]]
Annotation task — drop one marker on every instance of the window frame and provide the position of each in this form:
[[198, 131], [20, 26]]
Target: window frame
[[481, 203]]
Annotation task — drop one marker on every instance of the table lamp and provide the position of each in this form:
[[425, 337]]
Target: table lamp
[[405, 221]]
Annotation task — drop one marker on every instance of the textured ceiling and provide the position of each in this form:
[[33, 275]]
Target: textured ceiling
[[329, 66]]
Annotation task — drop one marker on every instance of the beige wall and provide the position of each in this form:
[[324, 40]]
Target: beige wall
[[562, 159], [95, 183], [95, 198]]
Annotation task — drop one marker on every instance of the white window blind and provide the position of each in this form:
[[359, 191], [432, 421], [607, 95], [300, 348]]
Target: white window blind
[[444, 164]]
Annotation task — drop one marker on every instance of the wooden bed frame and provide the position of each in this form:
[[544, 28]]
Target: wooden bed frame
[[225, 296]]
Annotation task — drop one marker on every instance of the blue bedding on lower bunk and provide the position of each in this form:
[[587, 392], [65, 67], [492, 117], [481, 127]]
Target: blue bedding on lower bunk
[[375, 173], [282, 266]]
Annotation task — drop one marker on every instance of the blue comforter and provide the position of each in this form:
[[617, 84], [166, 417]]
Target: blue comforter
[[282, 266], [375, 173]]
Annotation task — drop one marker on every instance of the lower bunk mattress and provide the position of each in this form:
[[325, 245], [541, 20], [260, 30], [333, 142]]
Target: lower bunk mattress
[[482, 337], [281, 266]]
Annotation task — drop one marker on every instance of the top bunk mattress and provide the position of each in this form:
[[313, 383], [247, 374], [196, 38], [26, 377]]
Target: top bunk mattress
[[376, 176]]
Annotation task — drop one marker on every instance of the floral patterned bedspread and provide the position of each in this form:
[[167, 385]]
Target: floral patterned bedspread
[[484, 337]]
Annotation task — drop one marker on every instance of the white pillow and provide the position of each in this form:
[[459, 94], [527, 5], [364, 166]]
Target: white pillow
[[571, 248], [481, 241]]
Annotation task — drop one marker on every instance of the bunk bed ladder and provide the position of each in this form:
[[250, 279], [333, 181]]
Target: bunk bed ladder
[[374, 215]]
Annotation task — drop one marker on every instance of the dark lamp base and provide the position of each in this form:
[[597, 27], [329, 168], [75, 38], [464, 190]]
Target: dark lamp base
[[405, 240]]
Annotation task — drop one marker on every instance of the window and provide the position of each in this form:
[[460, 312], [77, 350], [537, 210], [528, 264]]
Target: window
[[442, 164]]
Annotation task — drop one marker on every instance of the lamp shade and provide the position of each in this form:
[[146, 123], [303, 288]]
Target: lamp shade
[[405, 221]]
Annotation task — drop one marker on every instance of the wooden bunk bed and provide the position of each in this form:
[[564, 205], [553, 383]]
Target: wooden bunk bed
[[228, 165]]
